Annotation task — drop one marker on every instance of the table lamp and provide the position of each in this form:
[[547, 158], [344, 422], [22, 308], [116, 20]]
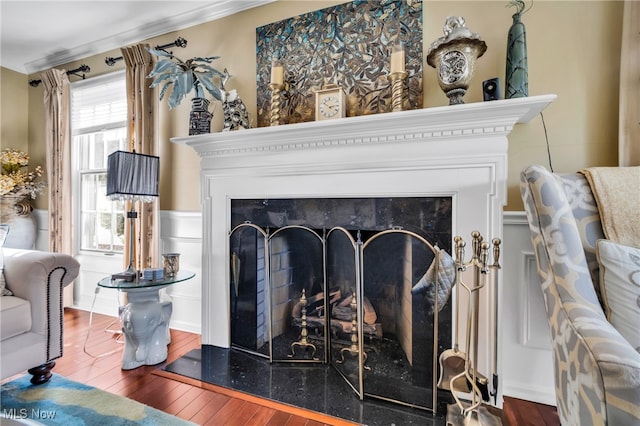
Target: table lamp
[[132, 177]]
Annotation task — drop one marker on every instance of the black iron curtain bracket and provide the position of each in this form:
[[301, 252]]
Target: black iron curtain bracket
[[180, 42], [81, 69]]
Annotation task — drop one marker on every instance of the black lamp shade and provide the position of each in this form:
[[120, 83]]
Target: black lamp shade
[[132, 176]]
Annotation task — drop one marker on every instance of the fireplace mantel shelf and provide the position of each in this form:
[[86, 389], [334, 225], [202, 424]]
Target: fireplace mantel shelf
[[437, 123]]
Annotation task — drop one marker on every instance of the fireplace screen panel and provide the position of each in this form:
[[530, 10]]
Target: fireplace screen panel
[[340, 275], [297, 294], [343, 282], [401, 363], [248, 304]]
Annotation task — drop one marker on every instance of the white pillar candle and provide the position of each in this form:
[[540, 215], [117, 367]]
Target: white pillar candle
[[277, 73], [397, 58]]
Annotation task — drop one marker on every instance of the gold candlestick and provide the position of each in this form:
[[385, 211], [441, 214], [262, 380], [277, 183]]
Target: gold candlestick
[[275, 103], [397, 89]]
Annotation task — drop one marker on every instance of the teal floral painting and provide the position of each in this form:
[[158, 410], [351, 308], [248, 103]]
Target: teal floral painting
[[348, 45]]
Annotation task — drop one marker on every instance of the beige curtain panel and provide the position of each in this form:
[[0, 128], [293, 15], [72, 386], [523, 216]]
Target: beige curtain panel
[[142, 117], [57, 95], [629, 138]]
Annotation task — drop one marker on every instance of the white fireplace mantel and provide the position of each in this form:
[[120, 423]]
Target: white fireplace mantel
[[438, 124], [458, 151]]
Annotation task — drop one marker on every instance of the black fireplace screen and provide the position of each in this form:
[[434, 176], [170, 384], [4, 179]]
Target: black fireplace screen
[[334, 281]]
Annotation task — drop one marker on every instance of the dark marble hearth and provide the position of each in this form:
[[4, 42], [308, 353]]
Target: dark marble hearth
[[316, 387]]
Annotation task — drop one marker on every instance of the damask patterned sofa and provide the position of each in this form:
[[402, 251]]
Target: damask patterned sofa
[[597, 371]]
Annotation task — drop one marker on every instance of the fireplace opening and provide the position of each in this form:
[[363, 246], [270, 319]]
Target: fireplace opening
[[334, 281]]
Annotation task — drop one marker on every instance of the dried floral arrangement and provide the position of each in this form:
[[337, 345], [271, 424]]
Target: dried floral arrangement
[[349, 45], [15, 180]]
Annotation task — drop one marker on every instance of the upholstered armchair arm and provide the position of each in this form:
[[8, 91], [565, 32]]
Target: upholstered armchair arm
[[40, 277], [598, 378], [597, 372]]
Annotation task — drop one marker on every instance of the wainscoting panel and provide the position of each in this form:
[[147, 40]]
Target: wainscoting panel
[[181, 232], [527, 367], [535, 333]]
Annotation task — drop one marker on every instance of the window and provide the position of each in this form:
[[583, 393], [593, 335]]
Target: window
[[98, 128]]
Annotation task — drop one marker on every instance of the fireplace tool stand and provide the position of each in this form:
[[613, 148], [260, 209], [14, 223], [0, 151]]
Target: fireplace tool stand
[[473, 412]]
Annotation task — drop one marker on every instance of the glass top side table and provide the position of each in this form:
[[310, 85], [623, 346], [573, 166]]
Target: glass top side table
[[145, 319], [141, 284]]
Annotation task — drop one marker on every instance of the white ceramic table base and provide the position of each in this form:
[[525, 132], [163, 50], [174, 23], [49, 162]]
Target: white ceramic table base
[[145, 323]]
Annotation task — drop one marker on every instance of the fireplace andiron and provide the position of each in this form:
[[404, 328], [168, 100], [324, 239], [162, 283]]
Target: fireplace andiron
[[354, 349], [304, 333]]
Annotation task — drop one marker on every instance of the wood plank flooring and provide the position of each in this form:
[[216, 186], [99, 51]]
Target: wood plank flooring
[[188, 399], [200, 402], [518, 412]]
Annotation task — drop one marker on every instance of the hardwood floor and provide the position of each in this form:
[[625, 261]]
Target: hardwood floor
[[188, 399], [200, 402], [518, 412]]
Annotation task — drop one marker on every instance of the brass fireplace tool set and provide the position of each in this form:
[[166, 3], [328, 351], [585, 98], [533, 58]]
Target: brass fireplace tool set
[[458, 369]]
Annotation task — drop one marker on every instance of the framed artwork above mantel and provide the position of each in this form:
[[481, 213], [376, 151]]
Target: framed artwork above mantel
[[348, 45]]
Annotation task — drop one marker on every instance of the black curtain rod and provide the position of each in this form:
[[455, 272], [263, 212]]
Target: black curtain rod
[[81, 69], [180, 42]]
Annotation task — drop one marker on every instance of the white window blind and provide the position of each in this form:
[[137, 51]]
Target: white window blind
[[98, 106], [99, 127]]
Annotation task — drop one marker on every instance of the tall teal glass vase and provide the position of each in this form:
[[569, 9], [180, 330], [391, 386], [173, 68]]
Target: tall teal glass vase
[[517, 78]]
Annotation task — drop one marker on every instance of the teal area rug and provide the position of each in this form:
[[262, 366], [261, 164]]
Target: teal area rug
[[64, 402]]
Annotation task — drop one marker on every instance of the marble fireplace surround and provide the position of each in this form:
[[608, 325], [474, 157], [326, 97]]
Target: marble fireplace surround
[[458, 151]]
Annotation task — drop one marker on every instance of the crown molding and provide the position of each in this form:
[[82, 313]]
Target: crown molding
[[210, 12]]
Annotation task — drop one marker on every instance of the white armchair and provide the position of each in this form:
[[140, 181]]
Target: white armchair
[[31, 325]]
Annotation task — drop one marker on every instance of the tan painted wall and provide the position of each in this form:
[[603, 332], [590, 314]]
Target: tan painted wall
[[573, 51], [15, 126], [14, 110]]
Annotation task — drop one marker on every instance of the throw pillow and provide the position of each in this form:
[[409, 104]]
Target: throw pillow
[[620, 286], [4, 291]]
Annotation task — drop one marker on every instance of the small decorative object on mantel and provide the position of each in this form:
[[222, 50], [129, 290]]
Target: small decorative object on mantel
[[331, 102], [397, 76], [236, 115], [454, 57], [276, 86], [199, 117], [517, 84], [17, 187], [182, 77]]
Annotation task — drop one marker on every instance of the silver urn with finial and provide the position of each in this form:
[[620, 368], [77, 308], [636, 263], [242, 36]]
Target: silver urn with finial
[[454, 57]]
